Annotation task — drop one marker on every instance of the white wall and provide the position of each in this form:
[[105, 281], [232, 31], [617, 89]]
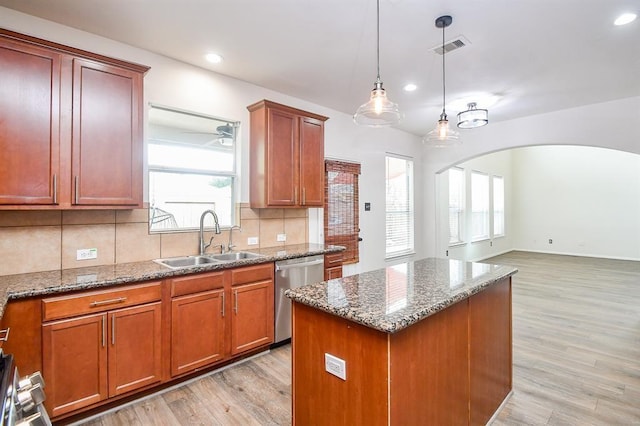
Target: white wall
[[176, 84], [587, 200], [496, 164], [611, 124]]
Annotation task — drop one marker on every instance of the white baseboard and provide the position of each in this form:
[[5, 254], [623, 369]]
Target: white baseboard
[[600, 256]]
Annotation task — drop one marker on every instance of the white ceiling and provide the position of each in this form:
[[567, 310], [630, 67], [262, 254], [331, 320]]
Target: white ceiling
[[535, 55]]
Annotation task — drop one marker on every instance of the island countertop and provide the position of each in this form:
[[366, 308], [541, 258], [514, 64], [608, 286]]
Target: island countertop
[[395, 297]]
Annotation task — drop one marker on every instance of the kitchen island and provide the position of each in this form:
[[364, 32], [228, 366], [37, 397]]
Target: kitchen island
[[424, 342]]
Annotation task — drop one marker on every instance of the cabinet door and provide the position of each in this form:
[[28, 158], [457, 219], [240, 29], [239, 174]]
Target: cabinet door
[[106, 135], [29, 124], [197, 331], [311, 162], [75, 363], [282, 158], [134, 348], [252, 316]]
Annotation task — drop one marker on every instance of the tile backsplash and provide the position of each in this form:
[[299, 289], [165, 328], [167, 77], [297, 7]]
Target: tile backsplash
[[33, 241]]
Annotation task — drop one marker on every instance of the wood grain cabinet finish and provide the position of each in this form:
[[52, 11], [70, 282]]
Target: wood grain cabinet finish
[[332, 266], [287, 156], [198, 321], [71, 134], [89, 358]]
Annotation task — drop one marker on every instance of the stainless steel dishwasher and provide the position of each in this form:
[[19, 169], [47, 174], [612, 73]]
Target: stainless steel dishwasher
[[293, 273]]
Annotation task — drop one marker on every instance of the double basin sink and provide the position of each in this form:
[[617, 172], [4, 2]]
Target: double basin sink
[[209, 259]]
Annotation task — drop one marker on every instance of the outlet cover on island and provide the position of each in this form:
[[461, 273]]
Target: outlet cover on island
[[281, 237], [86, 254], [336, 366], [252, 241]]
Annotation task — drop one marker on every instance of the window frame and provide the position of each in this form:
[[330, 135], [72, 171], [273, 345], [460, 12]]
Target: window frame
[[462, 211], [409, 249], [493, 207], [475, 237]]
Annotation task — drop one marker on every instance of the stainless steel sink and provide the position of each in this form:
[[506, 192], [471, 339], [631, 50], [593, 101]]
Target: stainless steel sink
[[186, 261], [233, 256]]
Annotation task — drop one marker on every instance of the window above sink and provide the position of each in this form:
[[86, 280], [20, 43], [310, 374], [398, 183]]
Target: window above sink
[[192, 168]]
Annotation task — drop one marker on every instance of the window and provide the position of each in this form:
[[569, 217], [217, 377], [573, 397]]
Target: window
[[479, 206], [498, 206], [341, 214], [191, 169], [456, 205], [399, 206]]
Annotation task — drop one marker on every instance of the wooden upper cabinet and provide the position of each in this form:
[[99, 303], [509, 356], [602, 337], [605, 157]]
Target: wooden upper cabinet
[[71, 134], [287, 156], [29, 117], [107, 124]]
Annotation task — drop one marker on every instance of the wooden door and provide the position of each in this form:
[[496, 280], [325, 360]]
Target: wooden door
[[197, 330], [282, 158], [252, 316], [311, 162], [134, 340], [106, 135], [29, 124], [75, 363]]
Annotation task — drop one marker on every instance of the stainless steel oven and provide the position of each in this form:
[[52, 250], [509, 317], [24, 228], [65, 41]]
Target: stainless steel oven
[[22, 402]]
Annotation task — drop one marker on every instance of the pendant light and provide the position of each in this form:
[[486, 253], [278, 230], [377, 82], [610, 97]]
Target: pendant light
[[442, 135], [379, 111], [473, 117]]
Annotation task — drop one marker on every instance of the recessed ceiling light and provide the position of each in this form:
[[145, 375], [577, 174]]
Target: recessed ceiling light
[[410, 87], [625, 18], [214, 58]]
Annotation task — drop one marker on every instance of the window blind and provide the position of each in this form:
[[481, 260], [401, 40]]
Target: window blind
[[341, 211], [399, 206], [479, 205], [456, 205]]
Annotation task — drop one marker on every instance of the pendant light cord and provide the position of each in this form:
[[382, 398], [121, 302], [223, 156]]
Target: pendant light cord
[[444, 84], [378, 37]]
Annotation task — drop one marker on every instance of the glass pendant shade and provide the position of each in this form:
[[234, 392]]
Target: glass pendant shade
[[379, 111], [473, 117], [442, 136]]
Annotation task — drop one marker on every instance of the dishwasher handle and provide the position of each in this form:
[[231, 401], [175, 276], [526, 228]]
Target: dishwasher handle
[[299, 265]]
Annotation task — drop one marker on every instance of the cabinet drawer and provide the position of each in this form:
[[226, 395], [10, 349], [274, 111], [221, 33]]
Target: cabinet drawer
[[332, 259], [251, 274], [196, 284], [99, 301]]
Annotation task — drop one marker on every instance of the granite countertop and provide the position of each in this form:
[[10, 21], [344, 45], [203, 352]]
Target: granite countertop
[[60, 281], [398, 296]]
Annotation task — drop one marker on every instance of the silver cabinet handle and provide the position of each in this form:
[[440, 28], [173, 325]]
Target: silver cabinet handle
[[304, 196], [295, 195], [5, 334], [113, 330], [55, 188], [223, 304], [235, 308], [107, 302], [104, 332], [76, 189]]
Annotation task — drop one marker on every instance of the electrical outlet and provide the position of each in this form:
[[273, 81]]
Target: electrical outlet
[[252, 241], [86, 254], [550, 241], [281, 237], [336, 366]]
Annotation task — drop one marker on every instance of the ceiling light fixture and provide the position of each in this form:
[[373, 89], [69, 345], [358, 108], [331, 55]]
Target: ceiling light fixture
[[442, 135], [379, 111], [214, 58], [473, 117], [410, 87], [625, 19]]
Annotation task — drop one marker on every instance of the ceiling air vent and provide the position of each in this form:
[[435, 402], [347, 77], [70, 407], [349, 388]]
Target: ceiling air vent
[[451, 45]]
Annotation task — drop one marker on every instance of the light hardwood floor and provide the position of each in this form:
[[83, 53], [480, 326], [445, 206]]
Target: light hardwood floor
[[576, 354]]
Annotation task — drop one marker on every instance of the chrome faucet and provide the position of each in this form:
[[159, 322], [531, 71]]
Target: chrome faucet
[[230, 244], [203, 247]]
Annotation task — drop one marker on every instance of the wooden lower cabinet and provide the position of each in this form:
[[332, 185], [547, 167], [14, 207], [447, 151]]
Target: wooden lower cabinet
[[93, 357], [332, 266], [197, 331], [252, 317]]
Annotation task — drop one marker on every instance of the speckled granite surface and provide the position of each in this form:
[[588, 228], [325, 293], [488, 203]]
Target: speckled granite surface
[[54, 282], [395, 297]]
